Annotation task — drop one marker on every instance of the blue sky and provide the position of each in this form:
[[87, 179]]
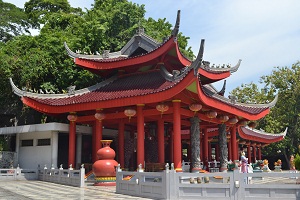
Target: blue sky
[[263, 33]]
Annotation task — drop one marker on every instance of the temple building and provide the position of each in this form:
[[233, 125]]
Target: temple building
[[159, 102]]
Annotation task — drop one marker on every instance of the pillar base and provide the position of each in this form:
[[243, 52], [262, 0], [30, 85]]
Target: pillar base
[[105, 181], [196, 170], [178, 170]]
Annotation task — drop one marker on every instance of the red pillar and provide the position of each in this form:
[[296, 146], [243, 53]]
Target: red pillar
[[249, 153], [259, 153], [238, 150], [140, 136], [209, 151], [229, 151], [234, 150], [94, 151], [254, 153], [161, 140], [171, 146], [99, 131], [201, 146], [205, 145], [121, 142], [72, 140], [177, 135]]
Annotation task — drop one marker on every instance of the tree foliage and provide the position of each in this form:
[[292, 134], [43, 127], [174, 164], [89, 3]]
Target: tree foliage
[[40, 62], [284, 81], [13, 21]]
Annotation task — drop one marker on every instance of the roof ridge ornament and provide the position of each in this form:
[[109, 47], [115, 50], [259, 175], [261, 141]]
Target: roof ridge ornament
[[176, 27], [140, 29], [222, 91], [175, 75], [196, 64]]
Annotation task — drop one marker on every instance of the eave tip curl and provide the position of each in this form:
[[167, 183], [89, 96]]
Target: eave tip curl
[[176, 27]]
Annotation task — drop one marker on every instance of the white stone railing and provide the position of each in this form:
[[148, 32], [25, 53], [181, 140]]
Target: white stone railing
[[221, 185], [63, 176], [18, 174]]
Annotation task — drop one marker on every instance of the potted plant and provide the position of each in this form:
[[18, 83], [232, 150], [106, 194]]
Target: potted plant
[[297, 162]]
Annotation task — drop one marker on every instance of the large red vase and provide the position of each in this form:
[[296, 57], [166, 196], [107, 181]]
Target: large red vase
[[105, 168]]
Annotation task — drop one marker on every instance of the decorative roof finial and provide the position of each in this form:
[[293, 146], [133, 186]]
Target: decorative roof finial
[[140, 29], [197, 63], [176, 27]]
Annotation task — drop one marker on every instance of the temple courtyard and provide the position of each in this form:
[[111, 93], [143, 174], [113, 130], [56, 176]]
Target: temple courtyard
[[24, 190]]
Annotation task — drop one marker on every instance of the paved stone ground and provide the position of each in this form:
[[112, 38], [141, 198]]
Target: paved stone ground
[[26, 190]]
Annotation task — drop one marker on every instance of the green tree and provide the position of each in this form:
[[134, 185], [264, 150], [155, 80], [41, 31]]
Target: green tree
[[13, 21], [39, 11], [40, 62], [283, 81]]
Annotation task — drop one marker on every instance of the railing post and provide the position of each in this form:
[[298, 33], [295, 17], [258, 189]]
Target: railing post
[[237, 184], [69, 170], [44, 173], [173, 188], [18, 172], [166, 177], [82, 174]]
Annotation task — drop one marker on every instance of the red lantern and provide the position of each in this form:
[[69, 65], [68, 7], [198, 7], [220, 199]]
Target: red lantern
[[99, 115], [252, 125], [258, 144], [72, 117], [195, 107], [233, 120], [129, 112], [162, 108], [243, 122], [223, 118], [211, 114], [243, 142]]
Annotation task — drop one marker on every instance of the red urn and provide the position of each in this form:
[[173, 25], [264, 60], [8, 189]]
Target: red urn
[[104, 168]]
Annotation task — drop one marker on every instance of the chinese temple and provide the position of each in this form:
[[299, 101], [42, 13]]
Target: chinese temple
[[151, 90]]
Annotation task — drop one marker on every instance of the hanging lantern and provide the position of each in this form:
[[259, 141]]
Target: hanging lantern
[[195, 107], [211, 114], [99, 115], [72, 117], [243, 142], [233, 120], [252, 125], [243, 122], [223, 118], [162, 108], [129, 112]]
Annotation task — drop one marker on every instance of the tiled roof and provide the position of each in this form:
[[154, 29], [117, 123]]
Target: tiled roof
[[249, 133], [126, 86], [249, 108]]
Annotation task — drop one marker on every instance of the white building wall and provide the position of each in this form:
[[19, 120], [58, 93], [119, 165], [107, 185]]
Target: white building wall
[[32, 156]]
